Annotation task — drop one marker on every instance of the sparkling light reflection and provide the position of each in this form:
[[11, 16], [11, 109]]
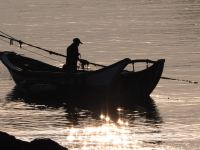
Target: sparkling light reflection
[[106, 136]]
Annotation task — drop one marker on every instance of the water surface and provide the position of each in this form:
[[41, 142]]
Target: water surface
[[111, 30]]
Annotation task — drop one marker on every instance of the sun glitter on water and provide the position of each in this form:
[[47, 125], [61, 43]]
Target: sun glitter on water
[[106, 136]]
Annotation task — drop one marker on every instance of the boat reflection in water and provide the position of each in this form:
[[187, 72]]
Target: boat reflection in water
[[136, 126]]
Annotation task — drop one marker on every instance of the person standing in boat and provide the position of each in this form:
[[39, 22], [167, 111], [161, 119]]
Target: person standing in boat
[[73, 55]]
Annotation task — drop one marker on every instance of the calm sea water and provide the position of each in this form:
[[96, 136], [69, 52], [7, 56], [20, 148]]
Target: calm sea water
[[111, 30]]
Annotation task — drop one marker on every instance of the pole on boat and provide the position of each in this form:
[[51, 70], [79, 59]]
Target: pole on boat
[[188, 81]]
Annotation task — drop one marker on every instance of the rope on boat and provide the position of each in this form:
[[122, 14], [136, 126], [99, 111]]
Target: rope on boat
[[82, 61], [11, 42], [188, 81]]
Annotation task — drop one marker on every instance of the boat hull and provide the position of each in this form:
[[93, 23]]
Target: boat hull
[[113, 82]]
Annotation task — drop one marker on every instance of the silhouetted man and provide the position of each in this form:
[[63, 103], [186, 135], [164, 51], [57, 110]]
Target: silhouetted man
[[72, 55]]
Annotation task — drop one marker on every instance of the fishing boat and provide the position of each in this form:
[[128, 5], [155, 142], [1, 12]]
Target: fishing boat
[[35, 76]]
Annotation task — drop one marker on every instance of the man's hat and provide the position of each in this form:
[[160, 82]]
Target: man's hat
[[77, 40]]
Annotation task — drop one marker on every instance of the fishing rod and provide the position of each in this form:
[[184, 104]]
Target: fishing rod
[[83, 61]]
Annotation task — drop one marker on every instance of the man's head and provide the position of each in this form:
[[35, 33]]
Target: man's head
[[77, 41]]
